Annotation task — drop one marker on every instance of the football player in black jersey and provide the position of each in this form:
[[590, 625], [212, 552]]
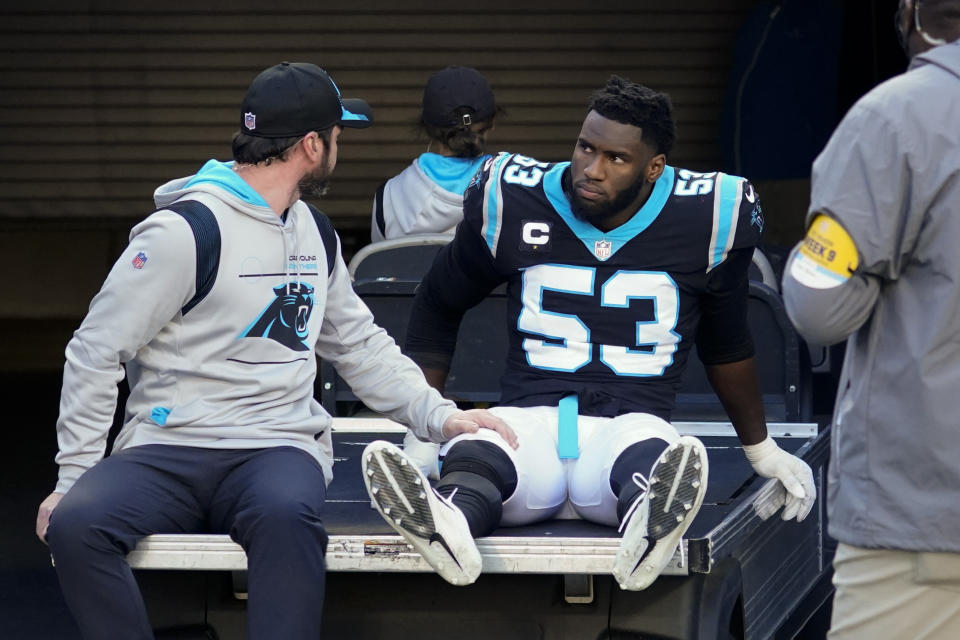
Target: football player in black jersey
[[616, 263]]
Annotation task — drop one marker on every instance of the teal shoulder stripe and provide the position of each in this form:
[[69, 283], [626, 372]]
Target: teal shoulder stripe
[[726, 211], [492, 211]]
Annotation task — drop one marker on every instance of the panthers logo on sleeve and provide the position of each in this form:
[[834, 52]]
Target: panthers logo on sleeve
[[285, 318]]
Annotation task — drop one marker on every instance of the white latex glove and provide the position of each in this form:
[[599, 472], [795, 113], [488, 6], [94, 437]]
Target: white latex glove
[[770, 461]]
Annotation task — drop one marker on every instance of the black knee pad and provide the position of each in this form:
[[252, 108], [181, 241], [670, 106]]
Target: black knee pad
[[480, 486], [638, 457], [477, 498], [484, 459]]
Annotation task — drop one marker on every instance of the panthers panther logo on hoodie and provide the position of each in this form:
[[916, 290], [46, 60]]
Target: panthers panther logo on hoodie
[[285, 318]]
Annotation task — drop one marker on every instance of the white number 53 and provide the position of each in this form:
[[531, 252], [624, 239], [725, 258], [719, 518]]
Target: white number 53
[[570, 347]]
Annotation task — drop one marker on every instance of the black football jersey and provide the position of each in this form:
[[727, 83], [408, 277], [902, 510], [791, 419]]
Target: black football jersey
[[611, 316]]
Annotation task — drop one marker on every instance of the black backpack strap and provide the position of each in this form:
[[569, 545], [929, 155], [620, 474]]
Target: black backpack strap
[[206, 235], [327, 235], [378, 210]]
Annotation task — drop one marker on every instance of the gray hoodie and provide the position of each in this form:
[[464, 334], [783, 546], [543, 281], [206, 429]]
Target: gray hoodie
[[232, 367], [426, 197], [890, 175]]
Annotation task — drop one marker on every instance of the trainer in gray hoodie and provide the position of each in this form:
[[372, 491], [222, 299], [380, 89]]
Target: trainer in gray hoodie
[[218, 308], [880, 264]]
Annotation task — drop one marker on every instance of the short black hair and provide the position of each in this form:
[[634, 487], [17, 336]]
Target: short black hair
[[631, 103], [249, 149]]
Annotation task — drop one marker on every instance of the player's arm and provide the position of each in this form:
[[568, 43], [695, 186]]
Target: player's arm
[[726, 349], [735, 384], [462, 275], [724, 343]]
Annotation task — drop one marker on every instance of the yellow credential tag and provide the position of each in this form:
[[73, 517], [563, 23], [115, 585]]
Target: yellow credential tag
[[827, 257]]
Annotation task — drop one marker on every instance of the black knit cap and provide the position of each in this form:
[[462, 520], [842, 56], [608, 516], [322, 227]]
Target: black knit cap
[[294, 98], [454, 88]]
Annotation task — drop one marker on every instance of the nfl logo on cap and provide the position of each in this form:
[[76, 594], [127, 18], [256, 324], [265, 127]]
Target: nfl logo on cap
[[250, 121], [602, 249]]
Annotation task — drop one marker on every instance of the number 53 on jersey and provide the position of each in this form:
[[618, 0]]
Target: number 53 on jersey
[[569, 347]]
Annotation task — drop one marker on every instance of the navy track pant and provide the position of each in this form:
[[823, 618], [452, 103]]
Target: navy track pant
[[269, 501]]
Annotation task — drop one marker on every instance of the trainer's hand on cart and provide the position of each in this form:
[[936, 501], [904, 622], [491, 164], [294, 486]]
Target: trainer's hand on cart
[[43, 514], [770, 461], [472, 420]]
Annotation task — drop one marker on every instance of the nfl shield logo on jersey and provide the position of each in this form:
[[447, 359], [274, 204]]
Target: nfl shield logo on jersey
[[602, 249], [250, 121], [139, 260]]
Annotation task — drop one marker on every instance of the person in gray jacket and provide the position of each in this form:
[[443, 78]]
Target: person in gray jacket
[[217, 307], [880, 266], [459, 112]]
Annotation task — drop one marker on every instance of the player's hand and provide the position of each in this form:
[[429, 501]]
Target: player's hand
[[473, 420], [43, 514], [770, 461]]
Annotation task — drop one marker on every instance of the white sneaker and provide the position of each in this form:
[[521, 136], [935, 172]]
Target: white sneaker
[[430, 523], [426, 455], [654, 525]]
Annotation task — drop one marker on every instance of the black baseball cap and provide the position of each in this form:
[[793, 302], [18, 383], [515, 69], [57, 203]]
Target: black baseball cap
[[294, 98], [456, 88]]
